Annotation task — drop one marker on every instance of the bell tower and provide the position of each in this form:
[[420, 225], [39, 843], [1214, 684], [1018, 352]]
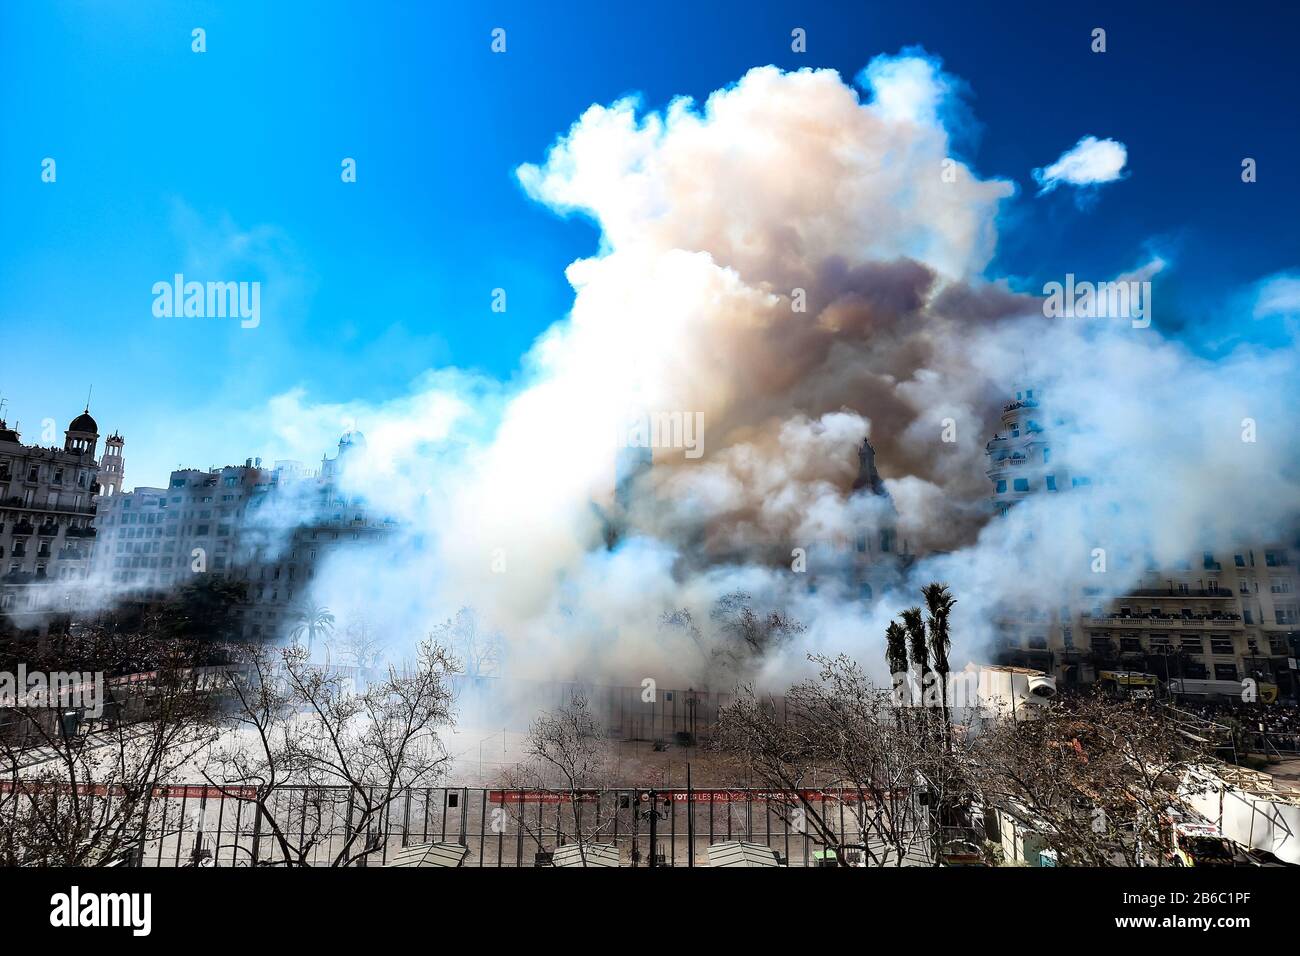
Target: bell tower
[[112, 466]]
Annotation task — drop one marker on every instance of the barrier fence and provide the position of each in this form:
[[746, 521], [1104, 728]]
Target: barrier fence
[[196, 825]]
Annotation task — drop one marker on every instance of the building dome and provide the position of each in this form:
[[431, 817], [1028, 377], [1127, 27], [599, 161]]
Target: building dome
[[352, 439], [84, 423], [7, 433]]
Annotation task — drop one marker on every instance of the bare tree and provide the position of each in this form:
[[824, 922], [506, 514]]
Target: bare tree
[[842, 729], [566, 757], [360, 645], [1096, 777], [478, 649], [74, 798], [301, 731], [736, 637]]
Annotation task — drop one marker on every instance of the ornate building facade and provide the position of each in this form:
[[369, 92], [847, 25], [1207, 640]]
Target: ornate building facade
[[48, 497]]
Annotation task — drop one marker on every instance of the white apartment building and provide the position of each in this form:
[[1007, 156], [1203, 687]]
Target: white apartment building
[[1211, 616], [266, 527]]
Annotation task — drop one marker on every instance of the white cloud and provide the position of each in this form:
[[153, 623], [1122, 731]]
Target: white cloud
[[1090, 162], [1278, 295]]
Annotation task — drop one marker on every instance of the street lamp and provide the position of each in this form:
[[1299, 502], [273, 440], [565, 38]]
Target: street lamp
[[502, 733]]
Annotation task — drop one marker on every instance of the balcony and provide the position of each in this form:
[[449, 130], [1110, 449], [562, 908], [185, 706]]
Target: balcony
[[80, 533], [16, 501], [1169, 621], [24, 527], [1202, 593]]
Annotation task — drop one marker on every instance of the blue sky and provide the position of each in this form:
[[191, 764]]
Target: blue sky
[[167, 158]]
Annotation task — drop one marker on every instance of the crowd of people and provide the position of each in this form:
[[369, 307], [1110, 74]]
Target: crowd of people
[[1278, 724]]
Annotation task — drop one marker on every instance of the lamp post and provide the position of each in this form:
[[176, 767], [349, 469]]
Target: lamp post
[[502, 733]]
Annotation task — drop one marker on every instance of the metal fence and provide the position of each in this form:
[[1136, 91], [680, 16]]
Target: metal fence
[[499, 828]]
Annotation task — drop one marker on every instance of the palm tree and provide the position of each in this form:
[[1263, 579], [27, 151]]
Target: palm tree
[[896, 648], [916, 639], [939, 602], [896, 658], [312, 621], [915, 627]]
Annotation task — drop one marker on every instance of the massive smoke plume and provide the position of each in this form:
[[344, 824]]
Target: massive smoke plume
[[804, 265]]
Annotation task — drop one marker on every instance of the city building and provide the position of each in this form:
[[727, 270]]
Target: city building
[[868, 558], [268, 528], [48, 497], [1207, 622], [112, 466], [129, 545], [1020, 455], [293, 526]]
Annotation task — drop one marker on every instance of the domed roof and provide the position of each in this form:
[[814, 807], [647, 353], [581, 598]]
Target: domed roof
[[84, 423]]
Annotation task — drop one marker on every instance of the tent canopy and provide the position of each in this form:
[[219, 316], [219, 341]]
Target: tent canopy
[[430, 854]]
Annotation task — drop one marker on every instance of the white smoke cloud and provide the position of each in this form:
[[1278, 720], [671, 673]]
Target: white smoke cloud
[[1089, 162], [715, 221], [711, 218]]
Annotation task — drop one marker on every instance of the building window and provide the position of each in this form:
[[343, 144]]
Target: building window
[[1051, 482], [1225, 672], [1002, 485], [1021, 484]]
